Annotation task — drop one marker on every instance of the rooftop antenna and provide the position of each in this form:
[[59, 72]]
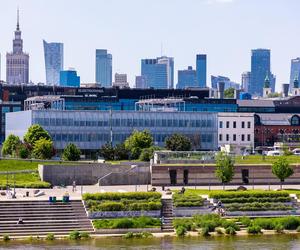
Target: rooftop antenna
[[161, 49], [18, 25]]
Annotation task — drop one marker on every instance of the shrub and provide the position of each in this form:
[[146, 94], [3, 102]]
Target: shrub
[[123, 223], [137, 222], [128, 235], [118, 196], [85, 235], [183, 200], [6, 237], [74, 235], [265, 223], [71, 153], [230, 230], [147, 235], [205, 231], [279, 228], [181, 231], [187, 223], [289, 222], [219, 231], [298, 229], [254, 229], [50, 236], [247, 194], [230, 223], [246, 221]]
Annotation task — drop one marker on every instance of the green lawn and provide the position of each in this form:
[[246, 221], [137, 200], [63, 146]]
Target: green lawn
[[258, 159], [22, 180]]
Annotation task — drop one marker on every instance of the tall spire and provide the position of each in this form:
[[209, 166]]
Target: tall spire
[[18, 25]]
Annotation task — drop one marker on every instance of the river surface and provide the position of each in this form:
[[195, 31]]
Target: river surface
[[262, 242]]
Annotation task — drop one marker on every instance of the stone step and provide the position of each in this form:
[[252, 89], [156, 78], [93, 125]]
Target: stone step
[[40, 233], [16, 228]]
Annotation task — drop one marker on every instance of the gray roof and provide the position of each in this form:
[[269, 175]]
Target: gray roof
[[256, 103], [276, 119]]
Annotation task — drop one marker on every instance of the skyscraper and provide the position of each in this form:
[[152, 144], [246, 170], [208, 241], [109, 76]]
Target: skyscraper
[[187, 78], [17, 62], [158, 73], [54, 61], [69, 78], [103, 68], [260, 68], [295, 71], [201, 70], [140, 82], [246, 78]]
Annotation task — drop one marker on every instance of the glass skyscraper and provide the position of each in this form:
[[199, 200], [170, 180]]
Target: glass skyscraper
[[260, 68], [187, 78], [103, 68], [295, 71], [69, 78], [158, 73], [54, 61], [201, 70]]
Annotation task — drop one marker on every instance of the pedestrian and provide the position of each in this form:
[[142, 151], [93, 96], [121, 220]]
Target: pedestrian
[[74, 186]]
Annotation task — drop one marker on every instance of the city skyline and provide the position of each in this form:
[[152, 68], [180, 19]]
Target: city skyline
[[229, 56]]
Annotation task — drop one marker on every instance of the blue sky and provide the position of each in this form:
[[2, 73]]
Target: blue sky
[[226, 30]]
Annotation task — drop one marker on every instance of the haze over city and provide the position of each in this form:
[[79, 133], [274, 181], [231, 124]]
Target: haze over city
[[225, 30]]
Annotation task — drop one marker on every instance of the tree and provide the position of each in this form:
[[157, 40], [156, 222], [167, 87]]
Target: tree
[[71, 153], [120, 152], [281, 168], [34, 133], [229, 93], [147, 153], [43, 149], [224, 168], [107, 152], [10, 145], [178, 142], [137, 141], [23, 151]]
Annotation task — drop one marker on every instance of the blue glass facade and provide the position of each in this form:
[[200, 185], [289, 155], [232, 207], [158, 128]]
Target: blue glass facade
[[260, 68], [103, 68], [69, 78], [201, 70], [187, 78], [295, 71], [54, 61]]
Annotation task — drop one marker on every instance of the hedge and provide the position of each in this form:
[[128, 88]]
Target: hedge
[[120, 206], [248, 194], [118, 196], [183, 200], [256, 206], [288, 222], [255, 199], [139, 222]]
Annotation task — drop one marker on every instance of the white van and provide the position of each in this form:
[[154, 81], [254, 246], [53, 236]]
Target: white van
[[274, 153]]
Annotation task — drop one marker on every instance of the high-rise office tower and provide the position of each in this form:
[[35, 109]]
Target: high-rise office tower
[[69, 78], [260, 69], [140, 82], [17, 62], [54, 61], [187, 78], [201, 70], [158, 73], [103, 68], [295, 71], [215, 80], [246, 78]]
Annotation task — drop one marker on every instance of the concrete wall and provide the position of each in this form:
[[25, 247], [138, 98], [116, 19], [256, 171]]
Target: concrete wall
[[89, 174], [205, 175]]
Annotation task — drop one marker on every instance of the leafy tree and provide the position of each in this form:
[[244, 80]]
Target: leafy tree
[[224, 168], [107, 152], [137, 141], [71, 153], [34, 133], [281, 168], [229, 93], [178, 142], [43, 149], [120, 152], [10, 145], [23, 151], [147, 153]]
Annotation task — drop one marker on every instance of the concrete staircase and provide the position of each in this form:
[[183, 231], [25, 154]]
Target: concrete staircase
[[41, 218], [167, 214]]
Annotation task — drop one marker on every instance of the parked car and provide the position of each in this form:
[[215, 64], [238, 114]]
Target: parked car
[[296, 151], [274, 153]]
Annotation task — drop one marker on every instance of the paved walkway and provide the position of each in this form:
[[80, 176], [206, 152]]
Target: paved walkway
[[59, 192]]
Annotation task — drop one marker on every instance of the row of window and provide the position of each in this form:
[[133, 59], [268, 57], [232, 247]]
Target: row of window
[[125, 122], [234, 123], [92, 137], [234, 137]]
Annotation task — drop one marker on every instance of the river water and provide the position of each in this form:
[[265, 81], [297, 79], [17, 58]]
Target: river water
[[261, 242]]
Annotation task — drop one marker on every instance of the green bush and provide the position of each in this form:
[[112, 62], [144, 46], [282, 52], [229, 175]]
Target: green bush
[[265, 223], [255, 199], [219, 231], [256, 206], [187, 223], [6, 237], [205, 231], [254, 229], [190, 200], [74, 235], [115, 196], [247, 194], [298, 229], [228, 223], [137, 222], [181, 231], [279, 228], [128, 235], [246, 221], [50, 236], [85, 235], [230, 230], [289, 222]]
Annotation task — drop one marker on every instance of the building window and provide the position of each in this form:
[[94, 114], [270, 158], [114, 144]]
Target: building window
[[221, 124], [234, 124], [220, 137], [234, 137], [227, 124], [243, 124], [243, 137], [295, 120], [248, 137], [227, 137], [249, 124]]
